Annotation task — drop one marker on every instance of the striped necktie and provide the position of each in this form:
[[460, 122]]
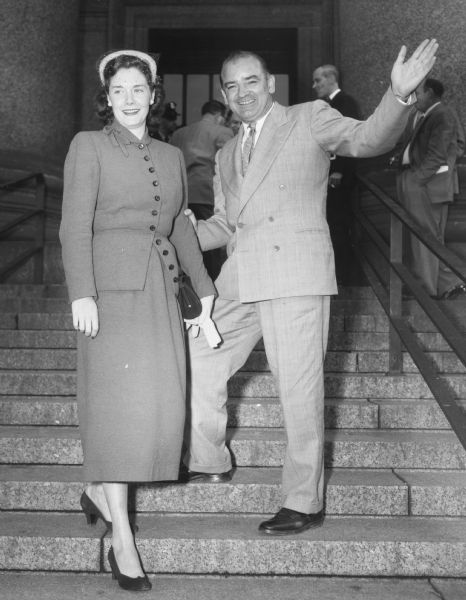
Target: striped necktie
[[248, 147]]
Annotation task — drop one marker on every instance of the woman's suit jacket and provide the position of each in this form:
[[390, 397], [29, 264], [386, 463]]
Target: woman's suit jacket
[[273, 220], [123, 197]]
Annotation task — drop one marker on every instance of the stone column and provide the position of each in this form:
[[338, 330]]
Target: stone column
[[38, 50]]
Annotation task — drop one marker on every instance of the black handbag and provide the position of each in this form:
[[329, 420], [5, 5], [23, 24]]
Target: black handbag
[[189, 302]]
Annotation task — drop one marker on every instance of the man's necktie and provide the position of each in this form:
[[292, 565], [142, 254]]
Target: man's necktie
[[248, 147]]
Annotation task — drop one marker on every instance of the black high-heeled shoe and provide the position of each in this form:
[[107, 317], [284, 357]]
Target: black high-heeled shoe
[[131, 584], [92, 511]]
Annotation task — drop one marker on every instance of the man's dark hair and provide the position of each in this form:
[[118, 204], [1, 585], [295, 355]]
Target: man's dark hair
[[238, 54], [213, 107], [435, 86]]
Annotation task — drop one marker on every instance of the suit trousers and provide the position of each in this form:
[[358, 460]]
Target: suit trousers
[[295, 332], [432, 216]]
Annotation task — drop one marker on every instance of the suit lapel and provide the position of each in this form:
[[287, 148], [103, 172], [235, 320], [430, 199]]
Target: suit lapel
[[230, 163], [275, 131]]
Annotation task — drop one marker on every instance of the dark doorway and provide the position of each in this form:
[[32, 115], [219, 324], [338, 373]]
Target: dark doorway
[[190, 61]]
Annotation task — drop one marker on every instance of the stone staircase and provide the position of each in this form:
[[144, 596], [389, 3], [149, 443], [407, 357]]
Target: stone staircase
[[396, 473]]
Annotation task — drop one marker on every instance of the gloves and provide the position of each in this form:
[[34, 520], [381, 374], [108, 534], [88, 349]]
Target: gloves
[[204, 322]]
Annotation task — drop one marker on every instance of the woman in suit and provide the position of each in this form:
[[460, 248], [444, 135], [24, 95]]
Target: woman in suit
[[123, 235]]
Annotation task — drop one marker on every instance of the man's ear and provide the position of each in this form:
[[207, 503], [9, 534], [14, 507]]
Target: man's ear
[[271, 83]]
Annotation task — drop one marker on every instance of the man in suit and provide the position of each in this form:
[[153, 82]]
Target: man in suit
[[199, 143], [342, 180], [426, 184], [270, 190]]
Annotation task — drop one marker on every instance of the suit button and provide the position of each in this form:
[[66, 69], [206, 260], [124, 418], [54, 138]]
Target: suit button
[[152, 227], [240, 225], [157, 198], [171, 267], [154, 212], [146, 157], [175, 279], [271, 219], [165, 252], [276, 248], [282, 186], [155, 183], [157, 241], [140, 146], [151, 169]]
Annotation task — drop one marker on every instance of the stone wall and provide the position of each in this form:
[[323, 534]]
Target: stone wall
[[371, 33], [38, 46]]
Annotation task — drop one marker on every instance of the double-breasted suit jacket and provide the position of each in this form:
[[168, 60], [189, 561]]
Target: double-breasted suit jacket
[[273, 220]]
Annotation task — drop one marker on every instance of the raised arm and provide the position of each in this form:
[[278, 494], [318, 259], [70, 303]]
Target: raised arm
[[408, 74]]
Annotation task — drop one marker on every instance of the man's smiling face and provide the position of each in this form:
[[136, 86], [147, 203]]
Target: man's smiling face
[[247, 88]]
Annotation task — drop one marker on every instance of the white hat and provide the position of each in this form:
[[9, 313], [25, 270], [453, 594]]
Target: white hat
[[142, 55]]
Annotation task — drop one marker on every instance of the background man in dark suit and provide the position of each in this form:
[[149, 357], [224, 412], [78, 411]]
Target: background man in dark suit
[[426, 184], [342, 173], [199, 142]]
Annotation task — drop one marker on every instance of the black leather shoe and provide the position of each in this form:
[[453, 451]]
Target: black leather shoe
[[454, 293], [288, 521], [210, 477]]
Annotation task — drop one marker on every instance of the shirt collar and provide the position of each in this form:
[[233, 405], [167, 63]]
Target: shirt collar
[[431, 108], [259, 123], [125, 136], [334, 93]]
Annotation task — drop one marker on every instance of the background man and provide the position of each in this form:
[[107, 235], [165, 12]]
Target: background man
[[426, 183], [342, 178], [199, 143], [270, 185]]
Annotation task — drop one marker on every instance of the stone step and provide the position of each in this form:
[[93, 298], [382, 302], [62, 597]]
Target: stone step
[[62, 321], [11, 337], [31, 290], [244, 384], [252, 490], [249, 384], [335, 361], [340, 413], [60, 304], [349, 448], [231, 544], [54, 290], [82, 586]]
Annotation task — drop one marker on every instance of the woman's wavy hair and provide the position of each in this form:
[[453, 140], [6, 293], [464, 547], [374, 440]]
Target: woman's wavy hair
[[126, 61]]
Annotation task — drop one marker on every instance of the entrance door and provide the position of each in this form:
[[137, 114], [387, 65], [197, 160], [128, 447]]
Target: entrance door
[[190, 61]]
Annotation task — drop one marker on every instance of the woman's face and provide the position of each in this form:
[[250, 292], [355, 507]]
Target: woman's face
[[129, 96]]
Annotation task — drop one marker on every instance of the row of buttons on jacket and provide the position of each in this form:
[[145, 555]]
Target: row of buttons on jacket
[[154, 212]]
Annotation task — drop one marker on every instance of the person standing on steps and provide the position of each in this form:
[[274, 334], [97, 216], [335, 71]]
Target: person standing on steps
[[122, 233], [342, 179], [199, 142], [426, 183], [271, 185]]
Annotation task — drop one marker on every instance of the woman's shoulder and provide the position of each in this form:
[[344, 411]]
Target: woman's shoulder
[[89, 137]]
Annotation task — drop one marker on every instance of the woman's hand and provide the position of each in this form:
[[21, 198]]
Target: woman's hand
[[205, 323], [85, 316], [207, 305]]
